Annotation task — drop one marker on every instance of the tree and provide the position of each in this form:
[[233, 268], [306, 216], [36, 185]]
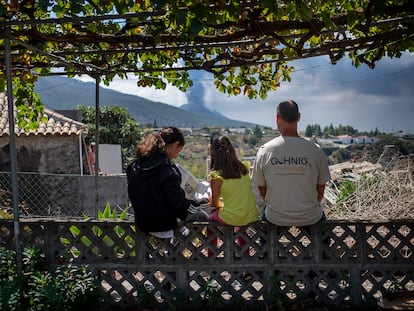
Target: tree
[[329, 130], [257, 131], [117, 126], [246, 44], [312, 130], [308, 131]]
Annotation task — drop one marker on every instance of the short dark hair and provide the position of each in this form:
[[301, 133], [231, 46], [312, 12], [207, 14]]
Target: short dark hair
[[288, 110]]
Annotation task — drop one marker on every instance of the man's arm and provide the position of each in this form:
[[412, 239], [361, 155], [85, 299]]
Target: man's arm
[[262, 191], [320, 189]]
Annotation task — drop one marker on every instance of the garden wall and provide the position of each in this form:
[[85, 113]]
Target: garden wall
[[337, 264]]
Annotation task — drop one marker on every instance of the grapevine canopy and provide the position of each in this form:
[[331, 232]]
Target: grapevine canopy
[[246, 44]]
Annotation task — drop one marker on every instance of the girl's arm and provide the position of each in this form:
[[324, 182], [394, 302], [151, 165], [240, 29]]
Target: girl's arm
[[262, 191], [215, 185]]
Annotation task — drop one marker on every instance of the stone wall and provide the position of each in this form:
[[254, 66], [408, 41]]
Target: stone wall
[[57, 154]]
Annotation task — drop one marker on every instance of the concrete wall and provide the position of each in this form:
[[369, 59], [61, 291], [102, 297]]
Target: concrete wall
[[112, 189], [64, 196]]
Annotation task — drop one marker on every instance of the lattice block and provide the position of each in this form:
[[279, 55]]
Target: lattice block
[[389, 242]]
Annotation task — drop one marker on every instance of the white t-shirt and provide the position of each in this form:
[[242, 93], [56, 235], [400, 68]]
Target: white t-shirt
[[290, 168]]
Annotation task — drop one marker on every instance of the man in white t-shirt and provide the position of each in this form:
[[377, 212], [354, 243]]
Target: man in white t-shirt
[[291, 173]]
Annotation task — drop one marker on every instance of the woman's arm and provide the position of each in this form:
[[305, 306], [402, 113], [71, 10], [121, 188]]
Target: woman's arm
[[215, 185]]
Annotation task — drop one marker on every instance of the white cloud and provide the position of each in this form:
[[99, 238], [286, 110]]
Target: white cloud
[[339, 94], [171, 96]]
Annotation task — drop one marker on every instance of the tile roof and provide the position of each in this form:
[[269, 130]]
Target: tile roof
[[56, 123]]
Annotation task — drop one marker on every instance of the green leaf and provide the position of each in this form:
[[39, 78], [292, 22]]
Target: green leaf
[[3, 9], [43, 4], [196, 27], [107, 211], [74, 230], [181, 17], [114, 214], [124, 213]]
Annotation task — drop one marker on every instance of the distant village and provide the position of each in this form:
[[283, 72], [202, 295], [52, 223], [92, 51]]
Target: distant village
[[340, 139]]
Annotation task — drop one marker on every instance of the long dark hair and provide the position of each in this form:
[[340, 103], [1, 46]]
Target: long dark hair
[[156, 142], [224, 159], [171, 135]]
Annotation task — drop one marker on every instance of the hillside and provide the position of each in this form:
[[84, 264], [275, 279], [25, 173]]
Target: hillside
[[61, 93]]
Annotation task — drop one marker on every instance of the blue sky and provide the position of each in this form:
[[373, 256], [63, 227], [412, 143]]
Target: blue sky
[[364, 98]]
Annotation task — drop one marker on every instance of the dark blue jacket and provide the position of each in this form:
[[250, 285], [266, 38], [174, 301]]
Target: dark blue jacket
[[155, 193]]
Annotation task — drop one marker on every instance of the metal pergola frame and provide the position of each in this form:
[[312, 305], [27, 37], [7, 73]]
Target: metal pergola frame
[[258, 32], [255, 33], [12, 138]]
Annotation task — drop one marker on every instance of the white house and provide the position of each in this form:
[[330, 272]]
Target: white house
[[344, 140], [366, 140]]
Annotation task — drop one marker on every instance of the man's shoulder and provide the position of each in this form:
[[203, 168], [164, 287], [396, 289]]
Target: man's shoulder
[[269, 146], [274, 141], [308, 142], [312, 148], [291, 143], [315, 145]]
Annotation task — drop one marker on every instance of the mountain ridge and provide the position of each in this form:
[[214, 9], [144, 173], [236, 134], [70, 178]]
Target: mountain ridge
[[61, 93]]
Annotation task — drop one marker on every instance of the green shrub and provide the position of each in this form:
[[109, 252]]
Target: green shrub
[[68, 287]]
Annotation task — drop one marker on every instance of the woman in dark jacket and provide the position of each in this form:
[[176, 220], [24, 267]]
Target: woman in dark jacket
[[154, 183]]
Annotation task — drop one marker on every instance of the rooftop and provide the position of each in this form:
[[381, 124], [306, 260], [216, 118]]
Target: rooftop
[[55, 124]]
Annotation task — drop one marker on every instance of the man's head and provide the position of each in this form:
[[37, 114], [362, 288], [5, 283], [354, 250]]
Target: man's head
[[287, 116], [288, 111]]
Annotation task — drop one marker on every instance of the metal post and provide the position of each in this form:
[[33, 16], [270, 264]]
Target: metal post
[[13, 155], [97, 121], [81, 154]]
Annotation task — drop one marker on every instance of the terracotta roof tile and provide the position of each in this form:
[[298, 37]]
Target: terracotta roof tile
[[56, 123]]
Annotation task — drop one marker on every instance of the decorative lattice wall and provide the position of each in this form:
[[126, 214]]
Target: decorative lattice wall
[[334, 264]]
